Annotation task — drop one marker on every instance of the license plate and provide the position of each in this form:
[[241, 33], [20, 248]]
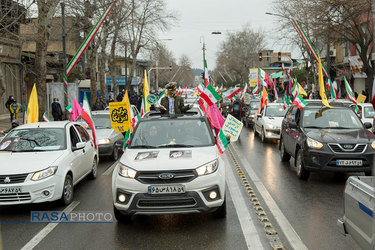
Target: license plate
[[175, 189], [349, 162], [10, 190]]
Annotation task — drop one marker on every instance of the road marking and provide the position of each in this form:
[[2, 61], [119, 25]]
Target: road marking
[[293, 238], [110, 169], [247, 224], [47, 229]]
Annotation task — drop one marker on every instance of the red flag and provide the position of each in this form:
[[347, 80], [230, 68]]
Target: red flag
[[373, 94]]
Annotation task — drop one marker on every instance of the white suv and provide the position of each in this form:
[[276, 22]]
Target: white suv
[[172, 165]]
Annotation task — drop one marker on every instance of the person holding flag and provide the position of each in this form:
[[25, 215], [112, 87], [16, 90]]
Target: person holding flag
[[172, 103]]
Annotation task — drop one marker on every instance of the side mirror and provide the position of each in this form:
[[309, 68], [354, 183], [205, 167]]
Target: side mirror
[[228, 138], [79, 145], [293, 125], [368, 125]]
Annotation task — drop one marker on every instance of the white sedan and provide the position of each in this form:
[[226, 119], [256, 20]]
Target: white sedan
[[42, 162], [268, 123]]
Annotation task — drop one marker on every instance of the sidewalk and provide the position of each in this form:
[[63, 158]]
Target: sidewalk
[[5, 121]]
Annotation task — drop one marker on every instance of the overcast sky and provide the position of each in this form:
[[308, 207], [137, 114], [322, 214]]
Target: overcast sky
[[198, 18]]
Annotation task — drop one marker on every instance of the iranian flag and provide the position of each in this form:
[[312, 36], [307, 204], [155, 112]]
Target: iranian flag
[[264, 78], [45, 117], [256, 90], [221, 142], [206, 76], [244, 91], [373, 94], [126, 140], [349, 92], [232, 92], [295, 91], [310, 96], [209, 95], [286, 101], [299, 102], [69, 108], [333, 86], [87, 117]]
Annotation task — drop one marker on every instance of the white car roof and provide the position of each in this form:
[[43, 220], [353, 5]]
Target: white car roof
[[274, 104], [52, 124]]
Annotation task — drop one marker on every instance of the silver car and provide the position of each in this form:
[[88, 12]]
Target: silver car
[[105, 134]]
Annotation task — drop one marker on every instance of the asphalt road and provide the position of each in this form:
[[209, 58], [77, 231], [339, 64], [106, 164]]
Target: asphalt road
[[303, 213]]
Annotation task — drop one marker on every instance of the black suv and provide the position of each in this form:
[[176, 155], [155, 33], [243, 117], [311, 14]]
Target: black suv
[[326, 139], [250, 111]]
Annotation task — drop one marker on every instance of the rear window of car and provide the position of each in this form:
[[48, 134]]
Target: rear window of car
[[369, 112], [102, 121], [172, 132], [275, 111]]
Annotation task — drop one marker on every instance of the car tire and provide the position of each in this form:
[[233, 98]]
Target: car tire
[[120, 217], [68, 191], [302, 173], [283, 154], [263, 136], [94, 169], [221, 212], [115, 153]]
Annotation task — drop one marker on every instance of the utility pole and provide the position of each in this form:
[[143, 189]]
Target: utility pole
[[64, 55]]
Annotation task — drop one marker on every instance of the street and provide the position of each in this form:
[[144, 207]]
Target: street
[[302, 213]]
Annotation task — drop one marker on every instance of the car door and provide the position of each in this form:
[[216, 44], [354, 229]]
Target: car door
[[294, 132], [77, 156], [89, 149]]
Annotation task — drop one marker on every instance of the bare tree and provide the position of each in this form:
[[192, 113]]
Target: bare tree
[[185, 77], [237, 54], [165, 58], [46, 11], [146, 18]]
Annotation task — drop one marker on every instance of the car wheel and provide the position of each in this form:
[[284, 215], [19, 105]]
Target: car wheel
[[120, 216], [263, 136], [67, 194], [221, 212], [115, 153], [94, 169], [302, 173], [283, 154]]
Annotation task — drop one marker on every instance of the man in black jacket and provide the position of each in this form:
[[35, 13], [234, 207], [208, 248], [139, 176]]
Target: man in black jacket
[[56, 110], [7, 105]]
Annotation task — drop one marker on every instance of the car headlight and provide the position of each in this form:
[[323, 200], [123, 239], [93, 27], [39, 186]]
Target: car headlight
[[252, 116], [104, 141], [44, 173], [208, 168], [373, 144], [127, 172], [314, 144]]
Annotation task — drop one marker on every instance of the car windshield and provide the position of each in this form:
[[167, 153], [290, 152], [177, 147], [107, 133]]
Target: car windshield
[[254, 105], [369, 112], [34, 139], [102, 121], [172, 133], [331, 118], [275, 111]]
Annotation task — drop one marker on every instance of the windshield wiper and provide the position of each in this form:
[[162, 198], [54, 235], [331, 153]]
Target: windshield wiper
[[341, 128], [176, 146], [143, 146], [314, 127]]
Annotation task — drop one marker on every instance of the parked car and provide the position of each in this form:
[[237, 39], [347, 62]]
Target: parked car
[[268, 124], [42, 162], [358, 220], [366, 113], [326, 139], [251, 112], [172, 165]]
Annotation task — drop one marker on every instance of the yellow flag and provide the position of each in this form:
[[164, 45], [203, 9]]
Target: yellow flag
[[128, 107], [120, 114], [146, 92], [33, 107], [301, 91], [321, 86]]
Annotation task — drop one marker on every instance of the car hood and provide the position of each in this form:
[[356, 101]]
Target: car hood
[[28, 162], [162, 160], [276, 121], [341, 135]]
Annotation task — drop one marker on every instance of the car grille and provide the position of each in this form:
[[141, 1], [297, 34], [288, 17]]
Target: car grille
[[170, 202], [154, 177], [15, 178], [353, 148], [15, 197]]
